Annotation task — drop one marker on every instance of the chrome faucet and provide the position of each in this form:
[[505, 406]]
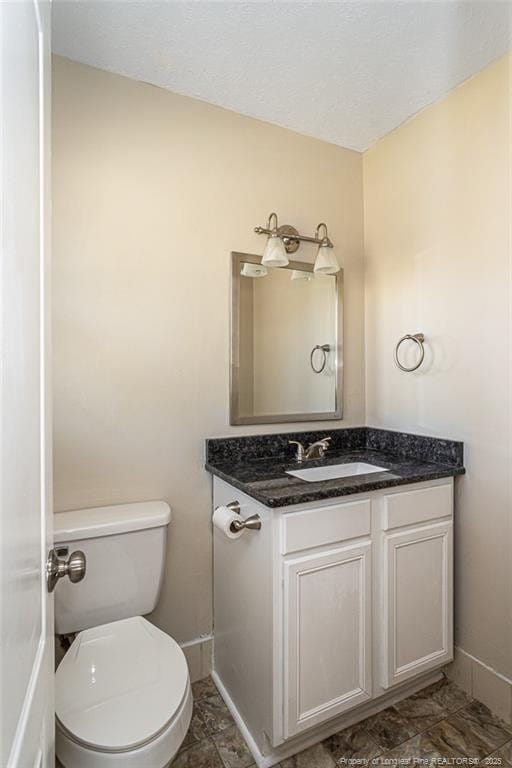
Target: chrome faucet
[[301, 453], [317, 450], [314, 451]]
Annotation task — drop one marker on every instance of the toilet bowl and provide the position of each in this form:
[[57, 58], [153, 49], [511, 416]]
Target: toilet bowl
[[122, 697], [122, 690]]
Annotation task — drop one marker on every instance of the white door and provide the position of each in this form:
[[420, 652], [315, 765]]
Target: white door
[[26, 609], [327, 635], [417, 601]]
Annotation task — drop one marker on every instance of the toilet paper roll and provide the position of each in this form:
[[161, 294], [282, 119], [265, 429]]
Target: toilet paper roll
[[222, 519]]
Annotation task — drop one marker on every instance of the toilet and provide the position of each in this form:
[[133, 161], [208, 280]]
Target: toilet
[[122, 691]]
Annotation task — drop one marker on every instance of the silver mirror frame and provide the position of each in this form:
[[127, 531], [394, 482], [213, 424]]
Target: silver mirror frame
[[235, 418]]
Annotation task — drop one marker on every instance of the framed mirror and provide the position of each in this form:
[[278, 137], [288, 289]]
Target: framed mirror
[[286, 343]]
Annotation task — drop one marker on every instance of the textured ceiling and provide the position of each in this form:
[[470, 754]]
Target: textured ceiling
[[345, 72]]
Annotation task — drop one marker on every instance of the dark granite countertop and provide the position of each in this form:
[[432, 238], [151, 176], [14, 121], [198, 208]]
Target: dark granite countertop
[[244, 465]]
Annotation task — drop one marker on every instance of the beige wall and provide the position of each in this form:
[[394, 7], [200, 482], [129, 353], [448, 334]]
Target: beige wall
[[437, 230], [151, 192]]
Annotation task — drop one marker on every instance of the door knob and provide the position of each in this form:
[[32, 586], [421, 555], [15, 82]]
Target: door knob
[[74, 568]]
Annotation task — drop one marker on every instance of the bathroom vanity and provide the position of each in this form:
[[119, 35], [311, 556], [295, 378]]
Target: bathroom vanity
[[341, 603]]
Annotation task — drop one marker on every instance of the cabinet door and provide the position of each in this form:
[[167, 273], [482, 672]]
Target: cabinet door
[[327, 635], [417, 601]]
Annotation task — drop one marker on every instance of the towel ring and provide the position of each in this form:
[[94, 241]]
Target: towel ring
[[418, 339], [324, 348]]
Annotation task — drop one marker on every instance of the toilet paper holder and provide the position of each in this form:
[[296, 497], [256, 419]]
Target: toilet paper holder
[[252, 523]]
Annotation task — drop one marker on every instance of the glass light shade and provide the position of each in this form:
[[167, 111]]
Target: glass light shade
[[253, 270], [274, 254], [326, 262], [299, 274]]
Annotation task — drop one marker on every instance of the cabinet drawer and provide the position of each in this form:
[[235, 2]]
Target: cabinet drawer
[[324, 525], [412, 507]]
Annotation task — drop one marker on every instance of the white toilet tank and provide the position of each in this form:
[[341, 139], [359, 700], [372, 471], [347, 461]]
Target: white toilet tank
[[125, 550]]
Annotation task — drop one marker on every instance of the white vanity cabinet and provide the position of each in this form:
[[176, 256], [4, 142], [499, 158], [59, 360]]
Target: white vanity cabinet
[[330, 610]]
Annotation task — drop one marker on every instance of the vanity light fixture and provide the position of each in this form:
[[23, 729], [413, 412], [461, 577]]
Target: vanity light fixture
[[285, 239], [275, 254], [326, 262], [253, 270], [299, 274]]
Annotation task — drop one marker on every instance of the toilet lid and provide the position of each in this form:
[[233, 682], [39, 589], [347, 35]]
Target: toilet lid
[[120, 684]]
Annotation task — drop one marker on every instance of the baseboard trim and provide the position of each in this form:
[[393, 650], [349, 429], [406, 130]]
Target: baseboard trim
[[260, 760], [272, 756], [198, 653], [482, 682], [196, 641]]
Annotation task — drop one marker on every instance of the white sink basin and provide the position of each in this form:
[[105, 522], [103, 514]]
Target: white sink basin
[[315, 474]]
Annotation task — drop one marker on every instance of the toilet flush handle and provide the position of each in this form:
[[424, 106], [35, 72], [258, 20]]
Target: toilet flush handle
[[74, 567]]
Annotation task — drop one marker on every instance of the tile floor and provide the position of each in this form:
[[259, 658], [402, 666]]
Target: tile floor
[[438, 723]]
